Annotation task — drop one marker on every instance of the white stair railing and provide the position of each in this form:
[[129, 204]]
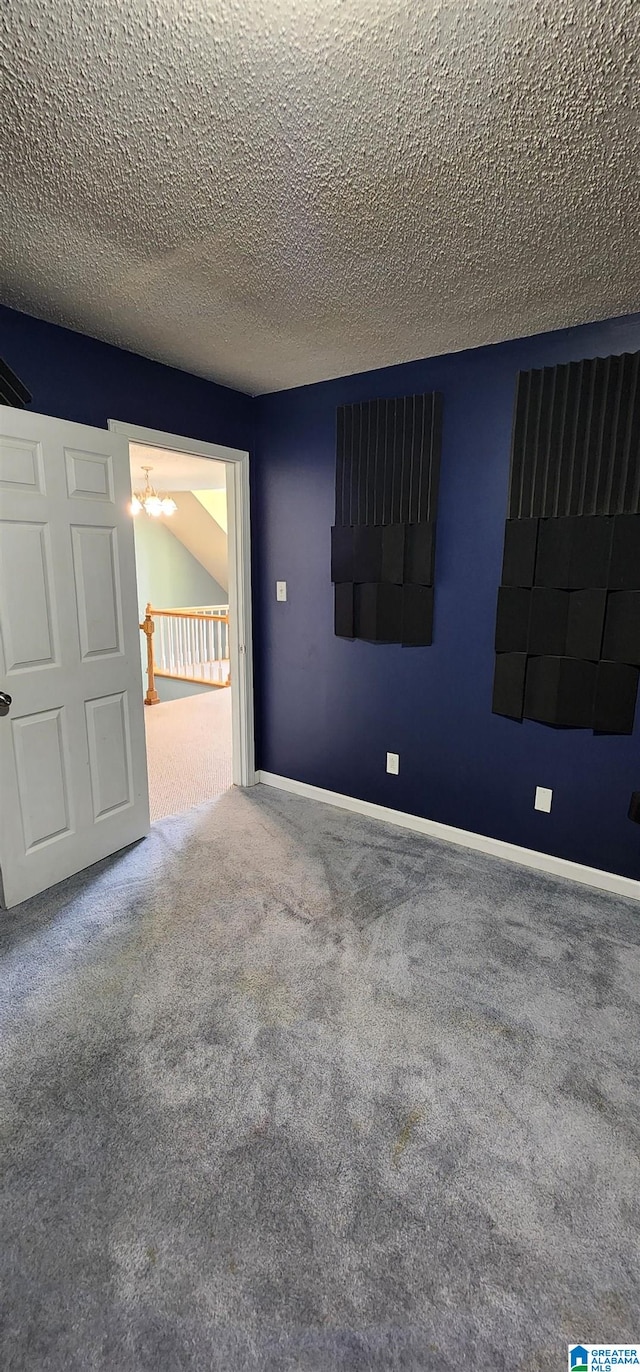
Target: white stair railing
[[190, 643]]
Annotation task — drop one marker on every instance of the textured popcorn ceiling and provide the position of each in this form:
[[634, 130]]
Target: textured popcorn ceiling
[[269, 192]]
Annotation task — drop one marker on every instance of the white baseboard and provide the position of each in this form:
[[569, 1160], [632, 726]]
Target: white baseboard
[[496, 847]]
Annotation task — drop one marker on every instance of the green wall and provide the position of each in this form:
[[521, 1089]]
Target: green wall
[[169, 576]]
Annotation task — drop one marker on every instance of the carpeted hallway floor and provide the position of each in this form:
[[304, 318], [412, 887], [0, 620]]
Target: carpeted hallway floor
[[188, 751], [284, 1088]]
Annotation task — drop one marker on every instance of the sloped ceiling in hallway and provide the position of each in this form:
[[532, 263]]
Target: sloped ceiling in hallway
[[201, 535], [271, 192]]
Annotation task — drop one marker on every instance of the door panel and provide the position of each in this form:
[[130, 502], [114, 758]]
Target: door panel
[[89, 474], [42, 768], [109, 753], [73, 778], [21, 465], [25, 571], [95, 567]]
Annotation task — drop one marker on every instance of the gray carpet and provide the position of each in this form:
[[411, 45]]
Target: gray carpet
[[283, 1088]]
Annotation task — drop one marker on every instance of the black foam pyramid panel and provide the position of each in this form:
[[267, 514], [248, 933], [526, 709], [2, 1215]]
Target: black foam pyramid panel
[[569, 603], [12, 391], [383, 540]]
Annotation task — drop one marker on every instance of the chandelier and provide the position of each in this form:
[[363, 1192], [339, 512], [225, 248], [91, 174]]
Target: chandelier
[[149, 500]]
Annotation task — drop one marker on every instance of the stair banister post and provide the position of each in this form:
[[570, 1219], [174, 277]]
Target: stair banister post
[[148, 628]]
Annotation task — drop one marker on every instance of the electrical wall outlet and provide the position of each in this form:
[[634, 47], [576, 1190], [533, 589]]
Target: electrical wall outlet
[[281, 590], [543, 799], [393, 763]]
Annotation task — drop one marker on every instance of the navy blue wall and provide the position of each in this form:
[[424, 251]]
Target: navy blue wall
[[79, 378], [328, 709]]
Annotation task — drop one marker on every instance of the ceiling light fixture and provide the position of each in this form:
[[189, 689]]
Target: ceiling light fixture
[[149, 500]]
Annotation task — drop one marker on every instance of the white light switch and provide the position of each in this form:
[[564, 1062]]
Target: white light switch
[[393, 763], [281, 590], [543, 799]]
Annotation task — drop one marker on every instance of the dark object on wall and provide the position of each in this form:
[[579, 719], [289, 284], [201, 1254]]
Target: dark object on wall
[[548, 622], [12, 391], [585, 624], [634, 807], [569, 603], [383, 540], [614, 705], [622, 627], [560, 690], [520, 544], [625, 552], [417, 615], [576, 436], [508, 684], [344, 609], [512, 619]]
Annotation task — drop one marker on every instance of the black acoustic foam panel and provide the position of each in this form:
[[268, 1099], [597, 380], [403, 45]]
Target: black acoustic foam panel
[[12, 391], [520, 545], [615, 698], [420, 553], [622, 627], [569, 603], [508, 684], [344, 609], [383, 541], [548, 620], [573, 551], [512, 619], [553, 554], [417, 615], [377, 611], [590, 539], [625, 554], [367, 552], [394, 541], [560, 690], [341, 553], [585, 624], [576, 436]]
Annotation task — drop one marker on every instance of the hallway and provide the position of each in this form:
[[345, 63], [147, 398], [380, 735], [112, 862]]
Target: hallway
[[188, 751]]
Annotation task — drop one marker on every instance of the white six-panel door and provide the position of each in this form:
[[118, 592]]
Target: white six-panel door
[[73, 772]]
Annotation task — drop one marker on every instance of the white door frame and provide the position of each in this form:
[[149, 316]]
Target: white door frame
[[241, 642]]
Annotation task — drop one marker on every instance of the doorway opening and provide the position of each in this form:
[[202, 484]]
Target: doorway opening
[[190, 519]]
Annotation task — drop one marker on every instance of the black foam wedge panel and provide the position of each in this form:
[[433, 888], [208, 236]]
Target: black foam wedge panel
[[417, 616], [12, 390], [569, 602], [576, 436], [560, 691], [383, 540], [615, 698], [512, 619], [622, 627], [394, 540], [367, 552], [520, 546], [508, 684], [624, 574], [548, 621], [377, 611], [585, 624], [344, 609]]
